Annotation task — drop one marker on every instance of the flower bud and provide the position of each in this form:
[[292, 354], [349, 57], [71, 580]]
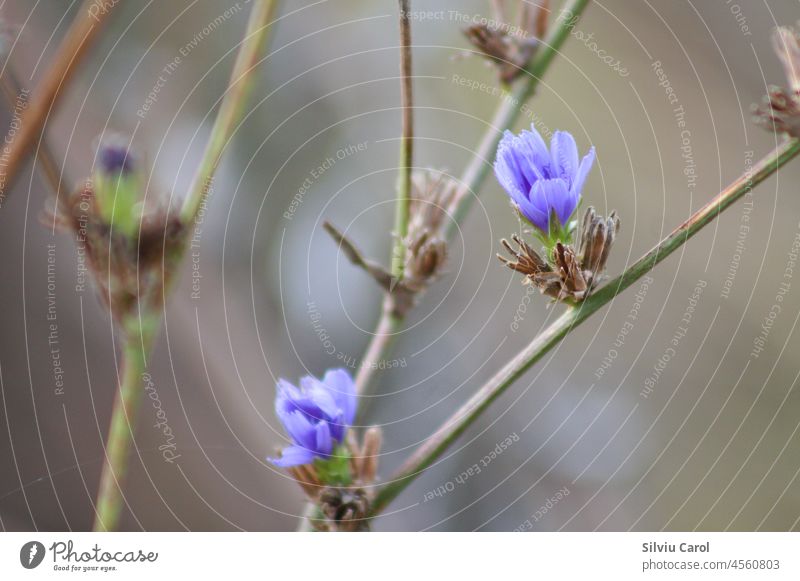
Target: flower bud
[[117, 185]]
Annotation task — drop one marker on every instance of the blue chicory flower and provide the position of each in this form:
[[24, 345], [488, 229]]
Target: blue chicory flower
[[543, 183], [316, 416]]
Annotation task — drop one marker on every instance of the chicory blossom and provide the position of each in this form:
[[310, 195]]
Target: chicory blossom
[[316, 416], [544, 185]]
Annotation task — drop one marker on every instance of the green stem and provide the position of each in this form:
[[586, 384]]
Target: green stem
[[110, 498], [389, 325], [406, 146], [230, 112], [436, 445]]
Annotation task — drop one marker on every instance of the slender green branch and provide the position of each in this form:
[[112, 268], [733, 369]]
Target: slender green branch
[[390, 322], [474, 175], [232, 107], [406, 145], [389, 325], [81, 36], [110, 497], [436, 445]]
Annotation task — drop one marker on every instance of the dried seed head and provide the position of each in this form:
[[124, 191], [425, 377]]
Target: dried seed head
[[567, 275], [129, 252], [343, 509], [779, 110], [595, 240], [434, 198], [786, 43], [510, 47], [364, 458], [306, 476], [370, 451]]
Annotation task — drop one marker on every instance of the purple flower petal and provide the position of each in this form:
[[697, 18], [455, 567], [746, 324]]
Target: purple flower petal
[[299, 428], [324, 441], [535, 216], [582, 173], [549, 195], [564, 152], [293, 456], [321, 396], [343, 390]]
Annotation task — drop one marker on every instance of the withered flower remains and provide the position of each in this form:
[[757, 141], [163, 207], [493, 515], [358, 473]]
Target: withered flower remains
[[129, 247], [434, 197], [780, 109], [567, 275], [510, 46]]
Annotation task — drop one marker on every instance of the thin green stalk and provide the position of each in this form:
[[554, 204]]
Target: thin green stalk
[[436, 445], [474, 175], [406, 145], [232, 107], [120, 434], [138, 334], [389, 325], [390, 322]]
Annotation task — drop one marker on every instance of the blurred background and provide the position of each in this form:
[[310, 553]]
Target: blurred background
[[678, 425]]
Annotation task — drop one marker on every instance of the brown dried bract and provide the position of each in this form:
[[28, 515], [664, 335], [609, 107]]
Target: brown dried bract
[[434, 198], [510, 46], [779, 110], [568, 276], [128, 272], [344, 508]]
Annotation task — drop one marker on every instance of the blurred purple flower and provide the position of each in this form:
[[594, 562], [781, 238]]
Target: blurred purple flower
[[539, 181], [316, 416], [115, 157]]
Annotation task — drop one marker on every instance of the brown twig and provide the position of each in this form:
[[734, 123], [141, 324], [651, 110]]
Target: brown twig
[[83, 32], [11, 88]]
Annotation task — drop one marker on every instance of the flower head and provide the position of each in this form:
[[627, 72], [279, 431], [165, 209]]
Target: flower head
[[316, 416], [545, 185]]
